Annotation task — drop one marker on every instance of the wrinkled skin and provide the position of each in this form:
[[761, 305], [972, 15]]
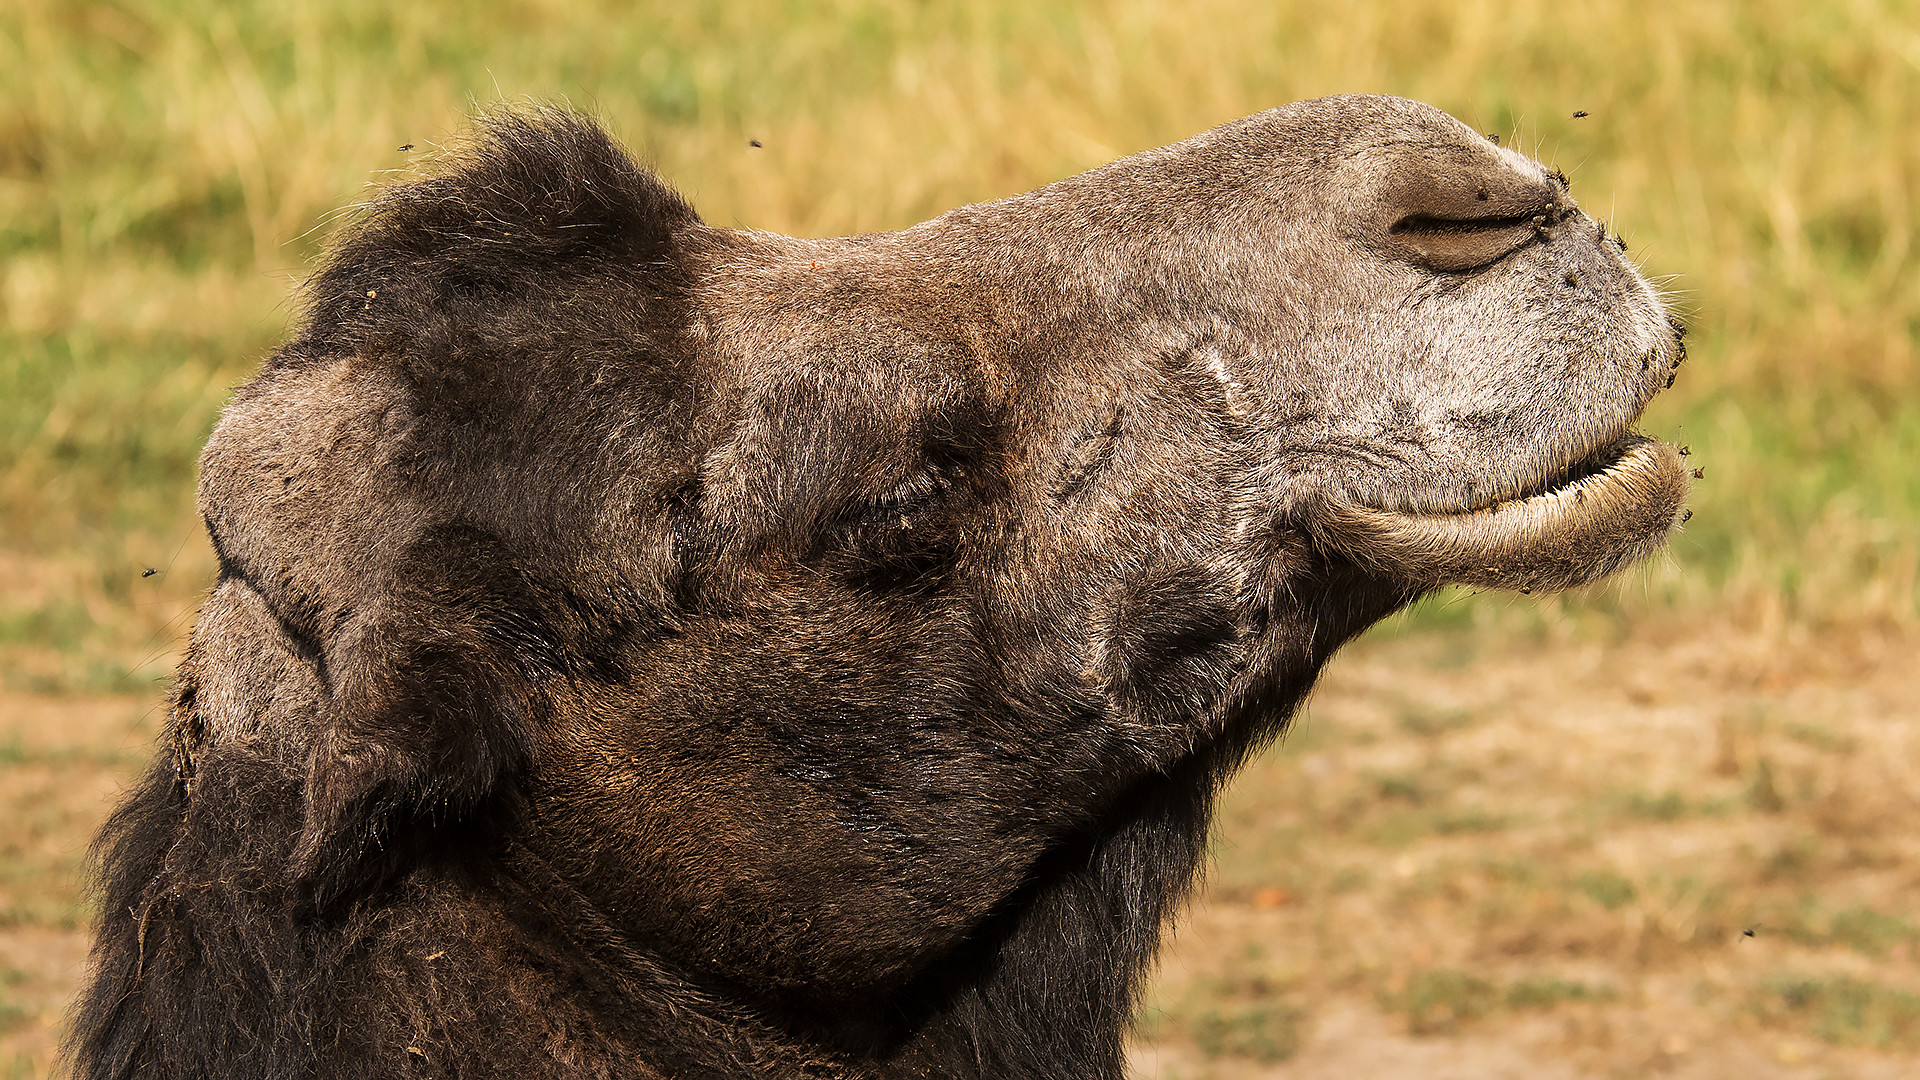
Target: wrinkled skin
[[650, 649]]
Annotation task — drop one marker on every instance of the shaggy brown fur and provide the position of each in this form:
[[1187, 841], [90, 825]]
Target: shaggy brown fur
[[649, 649]]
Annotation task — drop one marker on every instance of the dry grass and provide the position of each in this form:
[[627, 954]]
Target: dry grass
[[167, 170]]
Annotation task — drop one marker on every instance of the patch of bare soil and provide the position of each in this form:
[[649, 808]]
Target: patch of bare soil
[[62, 763], [1688, 854], [1537, 859]]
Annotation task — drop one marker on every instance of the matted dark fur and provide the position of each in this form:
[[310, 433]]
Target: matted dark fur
[[650, 649]]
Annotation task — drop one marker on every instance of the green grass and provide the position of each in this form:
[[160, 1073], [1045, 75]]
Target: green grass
[[1265, 1032], [1667, 806], [1546, 993], [1868, 931], [1442, 1002], [1609, 890], [1865, 930], [11, 1014], [1245, 1017], [167, 169], [1846, 1011]]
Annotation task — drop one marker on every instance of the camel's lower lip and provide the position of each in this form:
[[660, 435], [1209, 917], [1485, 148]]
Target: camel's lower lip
[[1613, 507]]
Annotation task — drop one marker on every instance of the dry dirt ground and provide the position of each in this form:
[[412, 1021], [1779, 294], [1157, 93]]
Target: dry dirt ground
[[1542, 859], [1536, 858]]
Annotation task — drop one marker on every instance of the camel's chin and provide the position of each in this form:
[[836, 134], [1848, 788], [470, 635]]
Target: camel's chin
[[1614, 509]]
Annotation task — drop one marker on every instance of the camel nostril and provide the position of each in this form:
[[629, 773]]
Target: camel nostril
[[1451, 244]]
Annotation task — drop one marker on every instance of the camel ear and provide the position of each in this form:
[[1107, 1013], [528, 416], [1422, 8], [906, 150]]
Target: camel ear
[[435, 687]]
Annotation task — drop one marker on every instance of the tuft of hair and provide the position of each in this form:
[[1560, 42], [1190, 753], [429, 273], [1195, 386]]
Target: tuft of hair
[[527, 203]]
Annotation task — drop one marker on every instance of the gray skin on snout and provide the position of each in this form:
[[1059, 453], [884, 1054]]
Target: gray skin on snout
[[649, 649]]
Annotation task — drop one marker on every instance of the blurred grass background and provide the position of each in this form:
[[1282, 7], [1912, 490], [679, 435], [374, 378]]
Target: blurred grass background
[[168, 170]]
